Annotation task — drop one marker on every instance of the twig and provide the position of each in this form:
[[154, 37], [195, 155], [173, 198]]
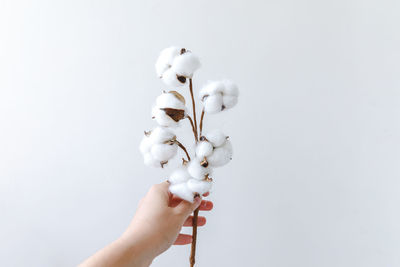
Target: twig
[[196, 212], [194, 108], [193, 129], [201, 122], [194, 238], [183, 148]]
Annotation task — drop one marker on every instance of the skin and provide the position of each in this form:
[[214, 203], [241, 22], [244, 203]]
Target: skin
[[155, 227]]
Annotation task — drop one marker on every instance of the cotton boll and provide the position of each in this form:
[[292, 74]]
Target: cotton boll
[[229, 101], [162, 118], [182, 190], [221, 155], [166, 58], [216, 138], [163, 152], [169, 100], [204, 149], [199, 187], [179, 175], [186, 64], [169, 78], [211, 88], [145, 145], [197, 171], [161, 135], [230, 88], [150, 161], [213, 103]]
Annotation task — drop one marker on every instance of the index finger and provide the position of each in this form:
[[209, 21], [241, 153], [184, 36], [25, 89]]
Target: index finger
[[204, 205]]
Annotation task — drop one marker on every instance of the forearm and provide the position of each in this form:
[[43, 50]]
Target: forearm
[[122, 252]]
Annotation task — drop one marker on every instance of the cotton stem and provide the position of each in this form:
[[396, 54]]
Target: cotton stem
[[193, 127], [194, 238], [183, 148], [194, 108], [201, 122], [196, 212]]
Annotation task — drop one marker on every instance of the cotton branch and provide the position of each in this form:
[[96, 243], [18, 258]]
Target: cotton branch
[[193, 127], [176, 67], [194, 238], [183, 148], [201, 122], [194, 108]]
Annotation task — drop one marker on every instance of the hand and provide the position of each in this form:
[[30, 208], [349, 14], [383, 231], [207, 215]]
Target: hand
[[154, 228], [160, 217]]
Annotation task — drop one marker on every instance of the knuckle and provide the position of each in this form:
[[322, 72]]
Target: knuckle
[[180, 211], [154, 188]]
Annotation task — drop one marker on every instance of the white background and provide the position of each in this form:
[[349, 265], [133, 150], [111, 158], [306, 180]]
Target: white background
[[315, 178]]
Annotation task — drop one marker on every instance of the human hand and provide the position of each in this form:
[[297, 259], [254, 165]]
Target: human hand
[[159, 219], [154, 228]]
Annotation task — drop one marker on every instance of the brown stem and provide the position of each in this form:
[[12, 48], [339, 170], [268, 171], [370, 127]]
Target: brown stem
[[194, 108], [196, 212], [201, 121], [183, 148], [194, 238], [193, 129]]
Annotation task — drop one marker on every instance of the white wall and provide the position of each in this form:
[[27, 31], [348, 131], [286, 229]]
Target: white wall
[[315, 179]]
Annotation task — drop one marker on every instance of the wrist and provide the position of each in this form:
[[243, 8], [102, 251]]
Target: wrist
[[137, 249]]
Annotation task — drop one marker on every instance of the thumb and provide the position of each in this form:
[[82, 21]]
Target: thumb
[[185, 208]]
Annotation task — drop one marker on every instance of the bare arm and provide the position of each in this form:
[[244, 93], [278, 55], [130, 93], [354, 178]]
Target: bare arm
[[154, 228]]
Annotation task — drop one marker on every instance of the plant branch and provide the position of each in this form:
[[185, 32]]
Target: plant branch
[[193, 129], [196, 212], [194, 238], [183, 148], [194, 108], [201, 121]]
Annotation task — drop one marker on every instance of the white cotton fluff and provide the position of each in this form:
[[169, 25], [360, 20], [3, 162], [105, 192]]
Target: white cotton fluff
[[216, 137], [211, 88], [145, 145], [150, 161], [161, 135], [229, 101], [182, 190], [219, 95], [176, 65], [166, 58], [169, 78], [169, 100], [179, 175], [156, 148], [162, 118], [163, 152], [164, 101], [186, 64], [213, 103], [230, 88], [203, 149], [230, 94], [200, 187], [197, 171], [221, 155]]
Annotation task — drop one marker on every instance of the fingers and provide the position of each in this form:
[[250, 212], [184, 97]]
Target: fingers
[[185, 208], [164, 185], [205, 204], [200, 221], [183, 239], [159, 193]]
